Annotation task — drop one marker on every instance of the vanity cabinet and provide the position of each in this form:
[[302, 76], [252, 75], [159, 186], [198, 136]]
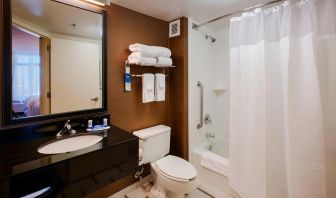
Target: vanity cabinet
[[71, 174]]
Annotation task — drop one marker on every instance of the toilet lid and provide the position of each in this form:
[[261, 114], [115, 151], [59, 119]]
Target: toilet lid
[[176, 167]]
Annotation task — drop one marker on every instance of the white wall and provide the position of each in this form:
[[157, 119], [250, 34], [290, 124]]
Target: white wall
[[222, 62], [208, 63], [75, 76]]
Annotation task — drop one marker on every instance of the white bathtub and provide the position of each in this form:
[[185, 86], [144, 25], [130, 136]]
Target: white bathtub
[[211, 182]]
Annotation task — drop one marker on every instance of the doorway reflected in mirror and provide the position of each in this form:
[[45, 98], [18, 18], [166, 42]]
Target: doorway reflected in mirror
[[56, 58]]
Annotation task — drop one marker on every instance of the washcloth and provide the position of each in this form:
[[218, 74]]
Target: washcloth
[[160, 87], [147, 88]]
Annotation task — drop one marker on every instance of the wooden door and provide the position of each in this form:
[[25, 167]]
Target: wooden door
[[45, 75]]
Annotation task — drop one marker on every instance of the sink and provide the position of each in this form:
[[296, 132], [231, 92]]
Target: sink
[[69, 144]]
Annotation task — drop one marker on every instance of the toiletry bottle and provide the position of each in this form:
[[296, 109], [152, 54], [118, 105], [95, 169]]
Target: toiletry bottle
[[105, 122], [90, 124]]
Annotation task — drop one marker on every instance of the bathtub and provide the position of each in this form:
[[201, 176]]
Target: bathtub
[[211, 182]]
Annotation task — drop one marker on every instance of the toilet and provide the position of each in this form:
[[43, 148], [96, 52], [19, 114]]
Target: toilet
[[173, 176]]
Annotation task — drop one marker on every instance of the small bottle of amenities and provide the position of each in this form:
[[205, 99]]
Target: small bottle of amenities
[[105, 122], [90, 124]]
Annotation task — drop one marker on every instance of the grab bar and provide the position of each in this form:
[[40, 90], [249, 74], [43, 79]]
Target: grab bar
[[200, 125]]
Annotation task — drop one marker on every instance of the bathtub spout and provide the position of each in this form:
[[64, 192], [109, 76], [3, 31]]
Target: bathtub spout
[[211, 138], [210, 147]]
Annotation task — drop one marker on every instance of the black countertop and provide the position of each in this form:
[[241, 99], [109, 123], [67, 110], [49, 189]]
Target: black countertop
[[18, 154]]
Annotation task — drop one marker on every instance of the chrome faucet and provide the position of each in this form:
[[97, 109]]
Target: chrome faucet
[[207, 119], [211, 138], [210, 135], [66, 130]]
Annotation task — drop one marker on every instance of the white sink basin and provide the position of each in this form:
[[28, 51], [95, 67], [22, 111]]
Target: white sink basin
[[69, 144]]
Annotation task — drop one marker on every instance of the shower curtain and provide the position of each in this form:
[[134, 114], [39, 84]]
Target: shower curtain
[[283, 101]]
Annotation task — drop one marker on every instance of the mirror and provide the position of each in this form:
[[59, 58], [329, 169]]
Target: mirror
[[57, 59]]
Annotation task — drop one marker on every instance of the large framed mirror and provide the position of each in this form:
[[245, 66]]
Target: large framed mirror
[[54, 61]]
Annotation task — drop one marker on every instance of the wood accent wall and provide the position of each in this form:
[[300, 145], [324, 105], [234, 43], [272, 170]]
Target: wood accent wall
[[125, 27], [179, 92], [127, 111]]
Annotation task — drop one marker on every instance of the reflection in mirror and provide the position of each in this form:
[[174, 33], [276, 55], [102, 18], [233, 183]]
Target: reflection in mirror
[[56, 58]]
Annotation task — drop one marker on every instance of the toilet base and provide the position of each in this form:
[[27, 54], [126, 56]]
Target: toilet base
[[157, 191], [166, 188]]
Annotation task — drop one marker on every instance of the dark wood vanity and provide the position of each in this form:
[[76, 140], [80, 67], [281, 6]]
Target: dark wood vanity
[[74, 174]]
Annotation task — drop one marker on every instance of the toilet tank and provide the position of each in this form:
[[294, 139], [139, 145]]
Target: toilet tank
[[154, 143]]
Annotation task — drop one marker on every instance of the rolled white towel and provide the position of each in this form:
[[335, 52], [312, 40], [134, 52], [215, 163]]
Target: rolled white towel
[[163, 51], [138, 55], [150, 51], [164, 62], [144, 61], [146, 51]]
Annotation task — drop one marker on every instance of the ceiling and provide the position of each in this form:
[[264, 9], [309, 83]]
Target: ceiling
[[198, 10], [58, 18]]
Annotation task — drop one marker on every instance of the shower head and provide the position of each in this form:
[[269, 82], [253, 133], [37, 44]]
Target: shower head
[[212, 39]]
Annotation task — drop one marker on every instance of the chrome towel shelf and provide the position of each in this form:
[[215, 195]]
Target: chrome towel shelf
[[140, 75], [128, 75]]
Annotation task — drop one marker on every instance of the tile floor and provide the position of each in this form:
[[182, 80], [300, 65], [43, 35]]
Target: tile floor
[[140, 193]]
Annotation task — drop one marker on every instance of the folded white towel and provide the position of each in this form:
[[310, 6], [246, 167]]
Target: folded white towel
[[160, 87], [164, 62], [215, 163], [163, 51], [147, 88], [137, 55], [139, 60], [146, 51], [150, 51]]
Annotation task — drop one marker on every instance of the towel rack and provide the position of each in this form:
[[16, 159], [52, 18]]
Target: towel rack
[[140, 75], [163, 67], [128, 75]]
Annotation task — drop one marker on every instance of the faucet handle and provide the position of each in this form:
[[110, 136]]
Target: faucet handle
[[207, 119], [67, 124], [210, 135], [66, 130]]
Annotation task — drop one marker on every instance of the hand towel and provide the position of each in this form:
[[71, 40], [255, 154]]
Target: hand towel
[[146, 51], [139, 60], [160, 87], [147, 88], [215, 163], [164, 62]]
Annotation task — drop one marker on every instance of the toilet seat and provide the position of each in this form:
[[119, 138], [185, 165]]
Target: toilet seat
[[176, 168]]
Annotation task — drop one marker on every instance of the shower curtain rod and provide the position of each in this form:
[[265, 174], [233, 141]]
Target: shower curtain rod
[[195, 26]]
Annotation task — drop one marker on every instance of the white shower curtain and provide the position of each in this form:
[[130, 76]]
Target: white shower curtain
[[283, 101]]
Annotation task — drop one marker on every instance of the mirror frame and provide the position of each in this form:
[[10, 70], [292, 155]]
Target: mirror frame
[[7, 79]]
